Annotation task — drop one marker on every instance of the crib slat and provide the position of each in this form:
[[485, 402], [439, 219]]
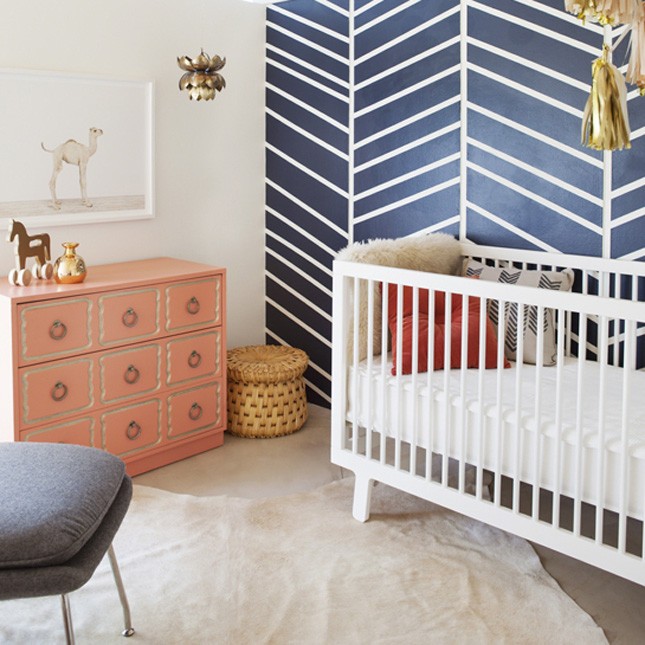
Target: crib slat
[[481, 428], [399, 377], [582, 345], [603, 330], [382, 394], [623, 504], [466, 301], [355, 348], [370, 363], [430, 383], [499, 444], [537, 413], [616, 336], [446, 390], [519, 433], [557, 458], [415, 370]]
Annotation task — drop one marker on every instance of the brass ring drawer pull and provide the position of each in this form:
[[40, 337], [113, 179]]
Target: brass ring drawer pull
[[130, 318], [133, 431], [131, 375], [59, 391], [193, 306], [58, 330], [195, 411], [195, 359]]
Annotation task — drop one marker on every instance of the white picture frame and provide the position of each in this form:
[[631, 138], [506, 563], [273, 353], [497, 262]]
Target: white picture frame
[[39, 113]]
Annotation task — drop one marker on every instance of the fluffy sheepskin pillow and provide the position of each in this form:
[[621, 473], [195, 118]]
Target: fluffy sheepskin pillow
[[435, 253]]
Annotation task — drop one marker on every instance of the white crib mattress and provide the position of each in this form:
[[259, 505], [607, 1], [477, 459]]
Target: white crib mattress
[[416, 411]]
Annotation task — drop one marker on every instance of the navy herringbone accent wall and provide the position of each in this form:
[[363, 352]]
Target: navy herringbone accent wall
[[388, 118], [530, 183], [406, 119], [307, 186]]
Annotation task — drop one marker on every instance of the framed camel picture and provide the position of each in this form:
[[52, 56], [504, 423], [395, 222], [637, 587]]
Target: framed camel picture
[[76, 149]]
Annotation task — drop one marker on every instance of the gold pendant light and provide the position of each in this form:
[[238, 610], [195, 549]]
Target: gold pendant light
[[201, 79]]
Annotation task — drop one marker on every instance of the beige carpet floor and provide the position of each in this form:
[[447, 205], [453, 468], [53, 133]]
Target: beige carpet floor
[[300, 569]]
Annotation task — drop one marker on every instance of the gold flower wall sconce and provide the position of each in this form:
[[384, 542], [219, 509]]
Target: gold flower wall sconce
[[201, 79]]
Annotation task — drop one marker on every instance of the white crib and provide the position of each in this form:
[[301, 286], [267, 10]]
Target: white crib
[[555, 454]]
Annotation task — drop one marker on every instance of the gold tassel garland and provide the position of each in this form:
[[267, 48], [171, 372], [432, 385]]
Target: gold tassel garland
[[605, 12], [605, 124], [636, 68]]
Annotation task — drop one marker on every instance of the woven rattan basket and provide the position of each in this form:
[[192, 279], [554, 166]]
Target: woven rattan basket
[[266, 390]]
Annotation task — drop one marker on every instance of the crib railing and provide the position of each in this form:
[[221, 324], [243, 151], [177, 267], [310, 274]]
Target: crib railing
[[547, 452]]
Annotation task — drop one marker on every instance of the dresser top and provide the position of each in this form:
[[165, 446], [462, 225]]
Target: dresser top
[[106, 277]]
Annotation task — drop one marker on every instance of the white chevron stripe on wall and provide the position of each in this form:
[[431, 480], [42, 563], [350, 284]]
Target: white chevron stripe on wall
[[508, 99], [388, 118], [627, 182], [308, 156]]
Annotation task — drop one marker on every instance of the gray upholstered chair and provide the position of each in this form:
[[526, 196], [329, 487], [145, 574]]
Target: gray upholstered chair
[[60, 507]]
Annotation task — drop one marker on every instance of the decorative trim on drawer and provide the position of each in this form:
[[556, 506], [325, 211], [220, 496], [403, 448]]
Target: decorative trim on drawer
[[69, 379], [129, 428], [198, 361], [176, 318], [130, 374], [71, 432], [131, 321], [57, 334], [210, 409]]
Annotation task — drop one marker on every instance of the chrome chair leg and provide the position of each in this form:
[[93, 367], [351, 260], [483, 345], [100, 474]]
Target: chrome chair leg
[[129, 630], [67, 619]]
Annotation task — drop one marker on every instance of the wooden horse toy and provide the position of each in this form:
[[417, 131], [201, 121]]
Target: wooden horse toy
[[29, 246]]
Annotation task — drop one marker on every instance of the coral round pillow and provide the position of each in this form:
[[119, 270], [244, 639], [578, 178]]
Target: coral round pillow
[[446, 337]]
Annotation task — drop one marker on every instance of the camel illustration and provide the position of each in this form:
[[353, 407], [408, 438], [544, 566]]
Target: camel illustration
[[76, 154]]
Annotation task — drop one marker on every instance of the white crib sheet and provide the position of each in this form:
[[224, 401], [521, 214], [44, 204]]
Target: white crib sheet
[[422, 419]]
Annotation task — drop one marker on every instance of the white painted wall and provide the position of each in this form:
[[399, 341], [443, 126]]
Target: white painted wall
[[209, 155]]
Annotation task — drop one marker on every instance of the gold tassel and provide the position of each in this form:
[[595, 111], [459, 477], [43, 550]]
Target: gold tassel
[[605, 123], [636, 68], [606, 12], [581, 8]]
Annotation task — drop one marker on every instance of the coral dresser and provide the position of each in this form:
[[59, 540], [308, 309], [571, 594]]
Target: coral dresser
[[132, 361]]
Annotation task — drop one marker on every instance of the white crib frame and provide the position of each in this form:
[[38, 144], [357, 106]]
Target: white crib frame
[[346, 437]]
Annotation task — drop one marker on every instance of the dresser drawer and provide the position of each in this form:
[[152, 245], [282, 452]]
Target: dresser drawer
[[130, 429], [54, 330], [80, 432], [194, 356], [128, 316], [129, 372], [65, 387], [194, 304], [195, 410]]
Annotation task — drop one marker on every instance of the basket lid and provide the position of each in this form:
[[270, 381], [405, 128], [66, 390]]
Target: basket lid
[[265, 363]]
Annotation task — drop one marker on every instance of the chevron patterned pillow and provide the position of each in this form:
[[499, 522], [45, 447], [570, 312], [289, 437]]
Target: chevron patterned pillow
[[556, 280]]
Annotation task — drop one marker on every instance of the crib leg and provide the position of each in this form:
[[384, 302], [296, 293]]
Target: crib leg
[[362, 498]]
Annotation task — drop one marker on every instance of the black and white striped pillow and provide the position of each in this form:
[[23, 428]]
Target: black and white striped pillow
[[555, 280]]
